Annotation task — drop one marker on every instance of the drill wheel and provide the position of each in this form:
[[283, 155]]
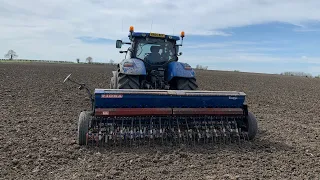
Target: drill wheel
[[83, 126], [252, 126]]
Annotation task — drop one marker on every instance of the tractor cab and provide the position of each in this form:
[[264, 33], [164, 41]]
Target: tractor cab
[[152, 48], [154, 51]]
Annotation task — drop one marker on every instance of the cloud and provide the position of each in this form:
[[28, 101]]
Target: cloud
[[306, 29], [95, 40], [55, 29]]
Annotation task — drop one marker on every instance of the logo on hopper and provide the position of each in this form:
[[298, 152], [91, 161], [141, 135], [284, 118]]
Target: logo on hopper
[[233, 98], [105, 113], [111, 96]]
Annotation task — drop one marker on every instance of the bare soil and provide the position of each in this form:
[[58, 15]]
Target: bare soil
[[38, 130]]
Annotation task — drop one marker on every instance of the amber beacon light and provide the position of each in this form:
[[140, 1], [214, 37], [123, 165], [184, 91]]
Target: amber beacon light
[[182, 34], [131, 29]]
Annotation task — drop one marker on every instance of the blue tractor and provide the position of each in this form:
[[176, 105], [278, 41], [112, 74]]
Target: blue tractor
[[151, 62], [153, 98]]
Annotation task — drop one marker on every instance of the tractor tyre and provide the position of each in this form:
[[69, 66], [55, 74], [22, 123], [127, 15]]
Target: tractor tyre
[[113, 81], [252, 126], [83, 126], [186, 84], [128, 81]]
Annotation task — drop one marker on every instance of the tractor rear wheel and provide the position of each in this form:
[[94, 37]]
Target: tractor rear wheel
[[252, 126], [186, 84], [128, 81], [83, 126]]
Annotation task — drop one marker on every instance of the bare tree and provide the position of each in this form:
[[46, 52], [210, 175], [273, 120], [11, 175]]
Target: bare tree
[[111, 61], [89, 60], [11, 54], [302, 74], [78, 60], [201, 67]]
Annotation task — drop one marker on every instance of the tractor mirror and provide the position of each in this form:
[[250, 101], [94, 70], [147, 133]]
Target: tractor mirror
[[118, 44]]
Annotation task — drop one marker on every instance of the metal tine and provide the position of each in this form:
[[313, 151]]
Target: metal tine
[[187, 130], [114, 132], [204, 130], [161, 130], [127, 133], [121, 133], [107, 135], [223, 131], [179, 132], [164, 130], [171, 132], [168, 131], [243, 135], [99, 133], [182, 130], [237, 131], [198, 131], [217, 130], [212, 130], [230, 131], [206, 139], [131, 133], [213, 138], [194, 133], [96, 139], [150, 131], [227, 130], [124, 131], [153, 135], [234, 130], [176, 130], [145, 130], [104, 135], [154, 131], [185, 134], [137, 131], [134, 131], [140, 131]]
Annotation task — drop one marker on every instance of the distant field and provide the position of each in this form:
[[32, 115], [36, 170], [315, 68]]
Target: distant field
[[27, 60], [39, 117], [43, 61]]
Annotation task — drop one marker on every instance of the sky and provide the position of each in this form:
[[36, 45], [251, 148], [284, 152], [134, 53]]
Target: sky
[[265, 36]]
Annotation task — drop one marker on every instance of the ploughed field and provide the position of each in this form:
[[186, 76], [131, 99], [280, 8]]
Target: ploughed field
[[38, 129]]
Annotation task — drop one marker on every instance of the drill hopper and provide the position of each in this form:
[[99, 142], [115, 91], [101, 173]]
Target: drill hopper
[[137, 116]]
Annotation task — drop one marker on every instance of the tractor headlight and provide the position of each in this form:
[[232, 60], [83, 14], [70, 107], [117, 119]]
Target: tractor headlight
[[187, 66]]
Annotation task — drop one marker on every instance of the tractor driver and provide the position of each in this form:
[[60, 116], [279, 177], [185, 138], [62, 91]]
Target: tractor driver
[[154, 57]]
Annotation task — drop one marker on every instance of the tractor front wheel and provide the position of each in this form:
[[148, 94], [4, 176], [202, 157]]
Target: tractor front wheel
[[83, 126]]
